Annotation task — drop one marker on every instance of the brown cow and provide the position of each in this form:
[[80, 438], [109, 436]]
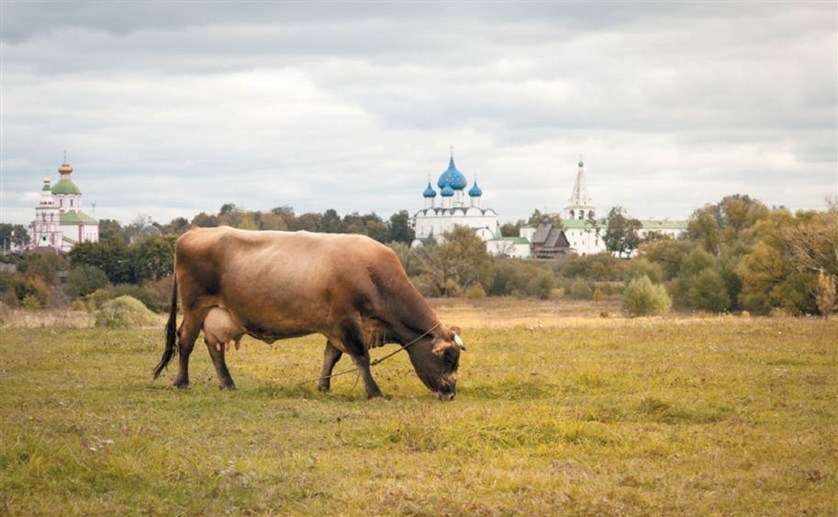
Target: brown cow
[[274, 285]]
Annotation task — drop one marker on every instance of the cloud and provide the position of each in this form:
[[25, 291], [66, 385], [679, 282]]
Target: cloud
[[170, 109]]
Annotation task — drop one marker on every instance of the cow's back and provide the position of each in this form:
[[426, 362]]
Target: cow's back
[[278, 284]]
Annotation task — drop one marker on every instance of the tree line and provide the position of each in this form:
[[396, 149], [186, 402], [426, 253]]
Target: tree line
[[736, 255]]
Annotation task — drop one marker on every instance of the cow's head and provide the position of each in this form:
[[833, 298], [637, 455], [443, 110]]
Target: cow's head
[[436, 363]]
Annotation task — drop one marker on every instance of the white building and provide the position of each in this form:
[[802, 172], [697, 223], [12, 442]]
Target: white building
[[584, 230], [59, 221], [453, 209]]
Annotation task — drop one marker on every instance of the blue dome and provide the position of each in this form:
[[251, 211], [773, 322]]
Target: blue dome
[[475, 191], [429, 192], [447, 191], [452, 177]]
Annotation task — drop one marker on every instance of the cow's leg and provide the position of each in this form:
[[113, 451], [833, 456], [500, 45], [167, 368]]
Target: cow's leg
[[330, 358], [362, 361], [188, 332], [216, 351], [353, 343]]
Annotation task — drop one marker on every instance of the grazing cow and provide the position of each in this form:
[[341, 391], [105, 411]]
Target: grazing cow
[[274, 285]]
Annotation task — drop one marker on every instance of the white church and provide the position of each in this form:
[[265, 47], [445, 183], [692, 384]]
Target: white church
[[59, 222], [453, 209], [582, 233]]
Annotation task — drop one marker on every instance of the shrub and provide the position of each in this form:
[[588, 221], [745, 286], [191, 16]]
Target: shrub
[[707, 291], [643, 298], [148, 298], [125, 312], [580, 290], [85, 279], [541, 285], [638, 267], [475, 292]]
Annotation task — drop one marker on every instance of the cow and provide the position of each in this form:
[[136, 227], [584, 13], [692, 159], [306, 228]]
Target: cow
[[273, 285]]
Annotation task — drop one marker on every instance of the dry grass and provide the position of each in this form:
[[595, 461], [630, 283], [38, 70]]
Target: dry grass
[[555, 415], [48, 318]]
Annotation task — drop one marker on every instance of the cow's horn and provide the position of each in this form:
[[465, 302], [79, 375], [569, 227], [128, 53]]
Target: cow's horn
[[458, 341]]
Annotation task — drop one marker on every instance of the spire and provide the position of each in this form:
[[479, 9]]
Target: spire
[[580, 196]]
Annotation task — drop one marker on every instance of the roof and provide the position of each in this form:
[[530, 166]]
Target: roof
[[74, 217], [65, 187], [452, 177], [549, 236], [583, 224], [512, 240], [541, 232]]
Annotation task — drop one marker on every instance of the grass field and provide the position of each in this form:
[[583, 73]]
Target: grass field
[[555, 414]]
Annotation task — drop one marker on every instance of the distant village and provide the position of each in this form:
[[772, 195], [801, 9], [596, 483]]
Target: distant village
[[60, 221]]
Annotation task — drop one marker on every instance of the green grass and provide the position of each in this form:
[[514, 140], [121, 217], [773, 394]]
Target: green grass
[[716, 416]]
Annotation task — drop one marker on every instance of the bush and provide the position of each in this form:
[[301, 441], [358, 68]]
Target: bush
[[541, 285], [125, 312], [643, 298], [85, 279], [580, 290], [707, 291], [638, 267], [147, 297], [475, 292]]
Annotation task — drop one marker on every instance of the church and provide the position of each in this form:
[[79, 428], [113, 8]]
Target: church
[[456, 207], [582, 233], [59, 222]]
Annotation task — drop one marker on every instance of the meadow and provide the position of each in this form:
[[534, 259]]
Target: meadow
[[558, 412]]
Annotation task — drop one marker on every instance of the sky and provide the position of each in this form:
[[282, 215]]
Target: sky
[[167, 109]]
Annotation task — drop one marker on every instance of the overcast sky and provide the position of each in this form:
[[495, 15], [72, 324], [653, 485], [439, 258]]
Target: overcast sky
[[168, 109]]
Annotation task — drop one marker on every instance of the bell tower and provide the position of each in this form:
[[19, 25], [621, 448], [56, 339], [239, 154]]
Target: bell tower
[[580, 205]]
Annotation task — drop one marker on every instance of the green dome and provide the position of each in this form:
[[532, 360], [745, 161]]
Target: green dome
[[66, 187]]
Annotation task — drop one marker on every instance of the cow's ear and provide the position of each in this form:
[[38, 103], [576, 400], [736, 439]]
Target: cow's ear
[[454, 336], [439, 347]]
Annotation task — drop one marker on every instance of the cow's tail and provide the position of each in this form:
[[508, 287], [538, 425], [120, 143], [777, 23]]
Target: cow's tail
[[171, 332]]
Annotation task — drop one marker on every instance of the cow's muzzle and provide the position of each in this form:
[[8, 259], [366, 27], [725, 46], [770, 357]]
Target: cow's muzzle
[[446, 394]]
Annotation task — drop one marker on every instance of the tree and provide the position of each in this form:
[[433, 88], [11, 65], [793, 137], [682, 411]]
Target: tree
[[204, 220], [598, 266], [13, 236], [84, 279], [460, 262], [330, 222], [825, 294], [707, 291], [270, 221], [112, 257], [398, 228], [512, 229], [153, 258], [45, 266], [538, 218], [703, 227], [178, 226], [110, 230], [669, 255], [623, 233], [308, 221]]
